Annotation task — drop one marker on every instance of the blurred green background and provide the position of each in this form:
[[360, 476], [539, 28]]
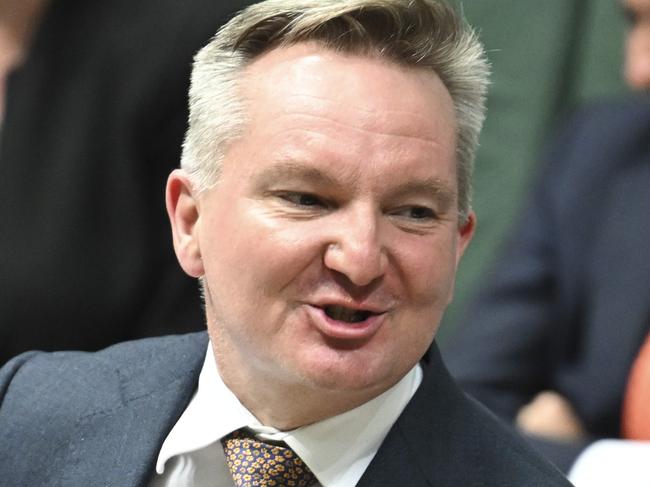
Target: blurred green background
[[548, 57]]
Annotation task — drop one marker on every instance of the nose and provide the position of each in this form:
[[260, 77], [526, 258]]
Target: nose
[[637, 55], [356, 250]]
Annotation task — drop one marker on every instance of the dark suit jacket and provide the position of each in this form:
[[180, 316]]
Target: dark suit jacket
[[94, 124], [568, 305], [100, 418]]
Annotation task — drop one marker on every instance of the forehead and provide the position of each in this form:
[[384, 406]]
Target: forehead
[[368, 93], [360, 117]]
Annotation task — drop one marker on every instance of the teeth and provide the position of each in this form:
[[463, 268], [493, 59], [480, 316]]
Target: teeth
[[348, 315]]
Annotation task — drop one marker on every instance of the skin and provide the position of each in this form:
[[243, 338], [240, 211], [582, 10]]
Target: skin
[[341, 192], [550, 414], [18, 19], [637, 46]]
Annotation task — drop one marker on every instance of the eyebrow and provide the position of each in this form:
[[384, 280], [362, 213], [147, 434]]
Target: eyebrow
[[290, 170], [444, 196], [434, 188]]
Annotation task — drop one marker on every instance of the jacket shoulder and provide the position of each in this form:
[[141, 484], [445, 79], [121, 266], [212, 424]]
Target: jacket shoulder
[[37, 388], [75, 418]]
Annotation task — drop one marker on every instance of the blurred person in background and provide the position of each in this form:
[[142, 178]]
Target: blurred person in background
[[93, 104], [557, 341]]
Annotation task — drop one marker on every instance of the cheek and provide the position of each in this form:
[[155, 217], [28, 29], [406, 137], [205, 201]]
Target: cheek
[[291, 252], [429, 271], [261, 254]]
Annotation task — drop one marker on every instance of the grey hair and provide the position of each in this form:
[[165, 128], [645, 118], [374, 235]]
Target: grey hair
[[426, 34]]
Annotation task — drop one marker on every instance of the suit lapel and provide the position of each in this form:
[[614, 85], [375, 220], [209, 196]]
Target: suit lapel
[[119, 445], [434, 442]]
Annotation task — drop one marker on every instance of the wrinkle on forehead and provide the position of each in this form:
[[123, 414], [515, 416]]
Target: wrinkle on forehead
[[401, 123], [330, 142], [370, 131]]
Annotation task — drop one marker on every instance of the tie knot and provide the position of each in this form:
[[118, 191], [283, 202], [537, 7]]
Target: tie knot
[[254, 463]]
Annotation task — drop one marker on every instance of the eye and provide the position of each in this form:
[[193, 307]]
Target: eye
[[418, 213], [421, 213], [302, 199]]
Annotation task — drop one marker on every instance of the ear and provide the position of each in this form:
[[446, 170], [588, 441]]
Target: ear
[[183, 211], [465, 234]]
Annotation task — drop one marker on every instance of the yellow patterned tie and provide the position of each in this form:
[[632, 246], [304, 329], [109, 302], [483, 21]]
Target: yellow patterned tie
[[257, 464]]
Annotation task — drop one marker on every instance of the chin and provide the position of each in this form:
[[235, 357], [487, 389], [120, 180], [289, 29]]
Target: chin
[[350, 371]]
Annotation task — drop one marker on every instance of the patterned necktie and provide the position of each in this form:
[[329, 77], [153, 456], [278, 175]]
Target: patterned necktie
[[636, 408], [257, 464]]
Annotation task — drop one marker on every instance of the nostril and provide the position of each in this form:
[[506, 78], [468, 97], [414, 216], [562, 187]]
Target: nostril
[[360, 259]]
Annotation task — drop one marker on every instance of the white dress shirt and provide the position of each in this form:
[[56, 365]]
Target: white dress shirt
[[623, 463], [337, 450]]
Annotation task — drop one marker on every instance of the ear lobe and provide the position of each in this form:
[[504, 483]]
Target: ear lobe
[[183, 212]]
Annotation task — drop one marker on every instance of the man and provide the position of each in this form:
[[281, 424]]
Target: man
[[323, 202], [551, 342]]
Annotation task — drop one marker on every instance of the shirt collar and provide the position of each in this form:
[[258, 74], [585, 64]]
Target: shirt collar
[[215, 411]]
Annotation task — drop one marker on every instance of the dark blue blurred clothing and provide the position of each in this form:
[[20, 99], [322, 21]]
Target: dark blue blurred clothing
[[568, 305]]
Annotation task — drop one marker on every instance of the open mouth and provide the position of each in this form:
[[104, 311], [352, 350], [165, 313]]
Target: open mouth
[[341, 313]]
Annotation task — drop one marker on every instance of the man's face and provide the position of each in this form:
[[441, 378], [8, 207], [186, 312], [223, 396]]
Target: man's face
[[637, 54], [329, 245]]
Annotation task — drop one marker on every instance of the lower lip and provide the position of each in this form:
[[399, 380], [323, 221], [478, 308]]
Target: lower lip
[[343, 330]]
